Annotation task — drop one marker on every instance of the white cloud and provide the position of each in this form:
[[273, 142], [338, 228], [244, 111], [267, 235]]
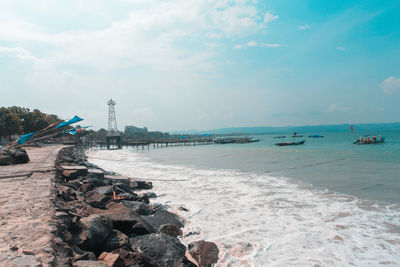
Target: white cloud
[[336, 108], [340, 48], [255, 44], [269, 45], [268, 17], [252, 43], [391, 85], [304, 27]]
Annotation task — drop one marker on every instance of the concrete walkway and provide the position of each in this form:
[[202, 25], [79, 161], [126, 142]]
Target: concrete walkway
[[26, 209]]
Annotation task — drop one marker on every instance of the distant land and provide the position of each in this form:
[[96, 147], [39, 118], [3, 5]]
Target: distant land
[[300, 129]]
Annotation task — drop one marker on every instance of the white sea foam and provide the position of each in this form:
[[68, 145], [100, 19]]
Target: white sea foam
[[259, 220]]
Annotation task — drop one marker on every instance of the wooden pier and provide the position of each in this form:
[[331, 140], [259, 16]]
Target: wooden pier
[[102, 144]]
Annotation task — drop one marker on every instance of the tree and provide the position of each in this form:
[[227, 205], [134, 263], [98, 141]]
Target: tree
[[9, 123]]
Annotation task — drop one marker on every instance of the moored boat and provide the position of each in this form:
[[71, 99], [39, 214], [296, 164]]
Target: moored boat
[[370, 140], [290, 143], [315, 136]]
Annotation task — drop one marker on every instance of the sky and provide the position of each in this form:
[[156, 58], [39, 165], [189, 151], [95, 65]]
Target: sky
[[203, 64]]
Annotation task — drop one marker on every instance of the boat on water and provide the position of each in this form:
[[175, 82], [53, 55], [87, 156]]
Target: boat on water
[[296, 135], [315, 136], [369, 140], [290, 143], [280, 136]]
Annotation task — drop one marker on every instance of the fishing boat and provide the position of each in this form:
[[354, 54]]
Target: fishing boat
[[290, 143], [370, 140], [280, 136], [296, 135], [315, 136]]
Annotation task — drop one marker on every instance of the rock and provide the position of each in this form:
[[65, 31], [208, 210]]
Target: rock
[[13, 156], [143, 185], [96, 229], [20, 156], [148, 195], [96, 173], [116, 240], [162, 216], [87, 255], [135, 258], [5, 158], [205, 253], [73, 172], [138, 207], [170, 229], [99, 196], [66, 193], [111, 259], [121, 188], [89, 264], [162, 249], [126, 220]]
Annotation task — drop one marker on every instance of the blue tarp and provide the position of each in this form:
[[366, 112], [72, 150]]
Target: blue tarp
[[71, 121], [25, 138]]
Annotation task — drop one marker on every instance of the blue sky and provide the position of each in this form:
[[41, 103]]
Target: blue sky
[[190, 64]]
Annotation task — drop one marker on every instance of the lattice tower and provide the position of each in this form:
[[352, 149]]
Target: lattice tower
[[112, 120]]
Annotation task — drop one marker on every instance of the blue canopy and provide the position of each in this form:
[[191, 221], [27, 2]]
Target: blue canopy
[[25, 138], [71, 121]]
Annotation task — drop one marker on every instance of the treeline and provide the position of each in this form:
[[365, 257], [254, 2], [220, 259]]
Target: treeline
[[19, 120]]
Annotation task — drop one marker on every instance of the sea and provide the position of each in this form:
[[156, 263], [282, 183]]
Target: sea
[[328, 202]]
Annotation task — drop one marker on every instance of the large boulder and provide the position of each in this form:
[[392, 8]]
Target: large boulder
[[161, 217], [13, 156], [99, 196], [96, 229], [205, 253], [126, 220], [163, 249]]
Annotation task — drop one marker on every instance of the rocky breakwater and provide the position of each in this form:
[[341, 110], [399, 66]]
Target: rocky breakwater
[[103, 219], [13, 155]]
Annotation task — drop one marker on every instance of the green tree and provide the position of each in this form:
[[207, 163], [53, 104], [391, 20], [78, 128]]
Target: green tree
[[10, 123]]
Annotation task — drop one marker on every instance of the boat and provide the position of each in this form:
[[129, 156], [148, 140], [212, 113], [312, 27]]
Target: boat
[[290, 143], [296, 135], [280, 136], [315, 136], [370, 140]]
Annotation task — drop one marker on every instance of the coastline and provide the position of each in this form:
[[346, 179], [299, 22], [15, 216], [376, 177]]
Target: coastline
[[104, 217], [256, 218], [60, 210]]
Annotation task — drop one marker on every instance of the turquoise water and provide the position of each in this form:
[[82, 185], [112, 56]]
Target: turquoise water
[[369, 172]]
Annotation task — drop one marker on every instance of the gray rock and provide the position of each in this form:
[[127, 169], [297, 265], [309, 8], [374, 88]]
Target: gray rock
[[96, 229], [99, 196], [205, 253], [170, 229], [163, 249], [162, 216]]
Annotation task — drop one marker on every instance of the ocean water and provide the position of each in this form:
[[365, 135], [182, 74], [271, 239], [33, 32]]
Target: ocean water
[[325, 203]]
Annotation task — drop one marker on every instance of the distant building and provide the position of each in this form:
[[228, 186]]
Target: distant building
[[134, 129]]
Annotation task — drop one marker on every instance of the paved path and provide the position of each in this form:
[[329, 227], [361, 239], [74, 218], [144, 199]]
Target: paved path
[[26, 209]]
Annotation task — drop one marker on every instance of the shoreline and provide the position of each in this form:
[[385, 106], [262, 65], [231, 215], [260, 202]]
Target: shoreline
[[127, 228]]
